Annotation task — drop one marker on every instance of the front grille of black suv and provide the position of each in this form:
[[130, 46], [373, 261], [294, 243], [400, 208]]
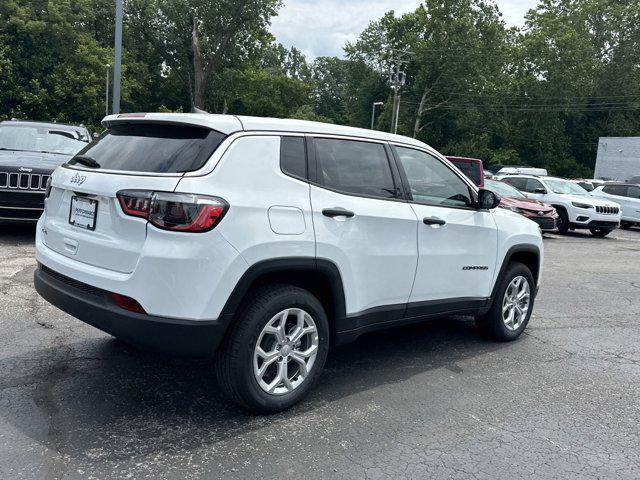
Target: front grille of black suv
[[607, 210], [23, 181]]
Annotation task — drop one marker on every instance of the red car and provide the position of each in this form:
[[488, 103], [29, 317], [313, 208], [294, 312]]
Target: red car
[[513, 199], [471, 167]]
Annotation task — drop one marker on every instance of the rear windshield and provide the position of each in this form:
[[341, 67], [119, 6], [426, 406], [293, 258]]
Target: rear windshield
[[470, 169], [150, 148]]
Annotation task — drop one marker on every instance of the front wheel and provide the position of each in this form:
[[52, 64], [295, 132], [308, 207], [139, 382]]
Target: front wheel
[[275, 350], [512, 305], [600, 232], [563, 221]]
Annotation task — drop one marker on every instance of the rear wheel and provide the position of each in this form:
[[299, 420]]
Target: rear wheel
[[600, 232], [625, 225], [275, 350], [563, 221], [512, 305]]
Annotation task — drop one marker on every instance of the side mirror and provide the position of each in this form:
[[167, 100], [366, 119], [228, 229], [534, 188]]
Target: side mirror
[[540, 190], [95, 135], [487, 200]]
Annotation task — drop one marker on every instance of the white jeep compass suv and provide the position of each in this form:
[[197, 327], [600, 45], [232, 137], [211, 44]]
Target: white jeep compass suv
[[576, 208], [262, 242]]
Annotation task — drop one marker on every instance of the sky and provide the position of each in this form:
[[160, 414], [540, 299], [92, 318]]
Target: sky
[[322, 27]]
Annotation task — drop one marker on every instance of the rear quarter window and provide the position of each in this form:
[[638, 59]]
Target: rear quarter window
[[140, 147], [293, 157]]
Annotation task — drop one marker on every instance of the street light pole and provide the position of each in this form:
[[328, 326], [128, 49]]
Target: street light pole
[[106, 92], [118, 60], [373, 112]]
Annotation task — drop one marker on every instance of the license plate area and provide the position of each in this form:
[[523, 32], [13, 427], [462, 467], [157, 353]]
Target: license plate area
[[82, 213]]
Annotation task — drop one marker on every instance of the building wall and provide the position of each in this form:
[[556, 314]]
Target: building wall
[[618, 158]]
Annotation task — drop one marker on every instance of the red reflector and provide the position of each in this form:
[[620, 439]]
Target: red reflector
[[127, 303]]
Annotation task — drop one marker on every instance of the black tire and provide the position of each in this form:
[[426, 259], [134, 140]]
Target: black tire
[[491, 325], [563, 221], [600, 232], [625, 225], [234, 359]]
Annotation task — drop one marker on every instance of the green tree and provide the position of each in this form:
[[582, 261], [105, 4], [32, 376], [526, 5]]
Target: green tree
[[199, 39]]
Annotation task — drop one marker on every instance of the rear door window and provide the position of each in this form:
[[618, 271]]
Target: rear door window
[[532, 185], [155, 148], [634, 192], [519, 183], [355, 167], [620, 190]]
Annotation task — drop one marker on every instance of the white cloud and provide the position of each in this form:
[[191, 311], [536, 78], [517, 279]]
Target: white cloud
[[322, 27]]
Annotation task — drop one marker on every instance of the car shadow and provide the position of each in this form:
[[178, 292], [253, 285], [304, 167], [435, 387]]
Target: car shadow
[[101, 398], [17, 233]]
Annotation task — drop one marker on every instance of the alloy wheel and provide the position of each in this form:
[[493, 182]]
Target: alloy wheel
[[516, 302], [285, 352]]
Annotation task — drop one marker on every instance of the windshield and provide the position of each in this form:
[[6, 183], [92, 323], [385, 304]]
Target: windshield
[[503, 189], [34, 138], [565, 187]]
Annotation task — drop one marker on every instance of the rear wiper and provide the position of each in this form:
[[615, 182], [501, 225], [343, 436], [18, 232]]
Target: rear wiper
[[86, 161]]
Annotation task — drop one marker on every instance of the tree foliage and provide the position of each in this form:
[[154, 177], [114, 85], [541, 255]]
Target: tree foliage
[[540, 95]]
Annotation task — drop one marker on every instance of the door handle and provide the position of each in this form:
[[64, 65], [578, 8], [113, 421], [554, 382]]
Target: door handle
[[433, 221], [337, 212]]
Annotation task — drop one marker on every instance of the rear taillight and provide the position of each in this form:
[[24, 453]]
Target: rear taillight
[[180, 212], [135, 203]]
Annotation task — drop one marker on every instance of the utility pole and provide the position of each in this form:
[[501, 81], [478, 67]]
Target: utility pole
[[373, 112], [106, 92], [397, 78], [117, 68]]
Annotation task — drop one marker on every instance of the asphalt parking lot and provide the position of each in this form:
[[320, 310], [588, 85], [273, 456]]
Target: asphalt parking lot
[[427, 401]]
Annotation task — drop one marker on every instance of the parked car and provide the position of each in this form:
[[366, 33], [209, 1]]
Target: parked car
[[29, 152], [471, 167], [513, 199], [516, 170], [576, 208], [263, 241], [625, 194]]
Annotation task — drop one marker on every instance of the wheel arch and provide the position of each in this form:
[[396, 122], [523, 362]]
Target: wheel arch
[[320, 277], [559, 206], [528, 255]]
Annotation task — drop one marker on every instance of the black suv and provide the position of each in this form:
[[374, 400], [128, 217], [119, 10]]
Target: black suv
[[29, 152]]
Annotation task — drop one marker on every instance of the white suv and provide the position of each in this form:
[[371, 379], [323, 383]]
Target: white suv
[[576, 208], [627, 195], [264, 241]]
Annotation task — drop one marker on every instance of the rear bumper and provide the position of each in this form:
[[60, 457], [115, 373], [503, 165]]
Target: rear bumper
[[92, 305]]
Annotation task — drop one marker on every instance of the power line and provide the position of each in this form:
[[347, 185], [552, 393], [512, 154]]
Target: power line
[[531, 97], [533, 108]]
